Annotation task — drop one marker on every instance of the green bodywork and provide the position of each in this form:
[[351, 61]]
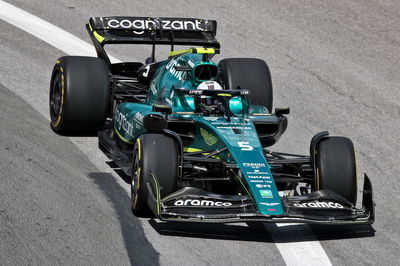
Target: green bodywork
[[212, 132]]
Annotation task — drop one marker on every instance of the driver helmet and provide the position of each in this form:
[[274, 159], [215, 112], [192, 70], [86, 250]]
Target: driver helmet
[[208, 104], [209, 85]]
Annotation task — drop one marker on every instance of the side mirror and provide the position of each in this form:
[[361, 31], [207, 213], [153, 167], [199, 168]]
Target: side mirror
[[282, 111]]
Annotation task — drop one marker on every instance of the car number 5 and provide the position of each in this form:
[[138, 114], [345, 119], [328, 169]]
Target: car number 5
[[244, 145]]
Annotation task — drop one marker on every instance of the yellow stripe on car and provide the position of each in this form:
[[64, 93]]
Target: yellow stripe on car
[[173, 53], [205, 50], [188, 149], [138, 185], [62, 97], [138, 144], [138, 170], [98, 37], [193, 50], [122, 138]]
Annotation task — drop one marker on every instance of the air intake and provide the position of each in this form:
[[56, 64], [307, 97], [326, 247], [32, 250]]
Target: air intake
[[205, 71]]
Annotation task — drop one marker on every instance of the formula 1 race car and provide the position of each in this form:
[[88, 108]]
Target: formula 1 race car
[[194, 136]]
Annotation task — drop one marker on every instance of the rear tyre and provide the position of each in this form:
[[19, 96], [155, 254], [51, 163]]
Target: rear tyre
[[79, 95], [158, 153], [336, 167], [248, 73]]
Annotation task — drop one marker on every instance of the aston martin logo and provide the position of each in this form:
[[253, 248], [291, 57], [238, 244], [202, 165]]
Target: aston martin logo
[[209, 139]]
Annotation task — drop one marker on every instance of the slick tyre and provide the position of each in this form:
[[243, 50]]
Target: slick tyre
[[79, 95], [251, 74], [157, 153], [336, 167]]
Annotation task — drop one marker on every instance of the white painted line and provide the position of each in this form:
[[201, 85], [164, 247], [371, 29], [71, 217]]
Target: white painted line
[[53, 35], [297, 244], [306, 252]]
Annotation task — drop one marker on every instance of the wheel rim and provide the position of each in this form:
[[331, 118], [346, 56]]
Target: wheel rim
[[55, 98], [134, 182]]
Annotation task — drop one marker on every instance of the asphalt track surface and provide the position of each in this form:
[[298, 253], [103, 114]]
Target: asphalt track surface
[[334, 63]]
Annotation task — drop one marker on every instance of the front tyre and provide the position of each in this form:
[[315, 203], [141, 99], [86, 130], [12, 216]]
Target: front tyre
[[157, 153], [335, 164]]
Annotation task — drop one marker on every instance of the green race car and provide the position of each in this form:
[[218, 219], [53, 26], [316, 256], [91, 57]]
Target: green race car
[[194, 135]]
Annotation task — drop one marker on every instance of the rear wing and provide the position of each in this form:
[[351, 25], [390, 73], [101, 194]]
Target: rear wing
[[145, 30]]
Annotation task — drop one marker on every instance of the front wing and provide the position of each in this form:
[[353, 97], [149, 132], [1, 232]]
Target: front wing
[[321, 207]]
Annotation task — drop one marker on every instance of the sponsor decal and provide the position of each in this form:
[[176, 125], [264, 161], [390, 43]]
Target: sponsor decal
[[229, 124], [244, 146], [254, 165], [138, 117], [209, 139], [259, 177], [190, 202], [266, 176], [226, 127], [271, 210], [266, 193], [197, 92], [122, 122], [139, 25], [257, 172], [269, 204], [153, 88], [329, 205], [171, 68], [263, 186], [146, 72], [169, 101], [261, 181], [211, 118]]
